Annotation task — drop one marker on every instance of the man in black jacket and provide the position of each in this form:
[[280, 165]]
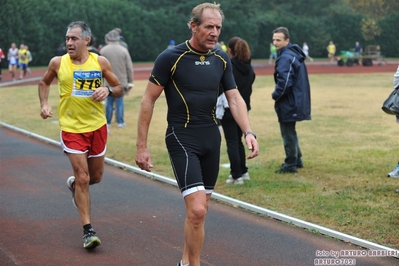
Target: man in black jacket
[[291, 95]]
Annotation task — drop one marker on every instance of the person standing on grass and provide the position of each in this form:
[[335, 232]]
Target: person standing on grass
[[223, 46], [244, 75], [121, 38], [93, 45], [273, 53], [395, 171], [122, 65], [81, 115], [190, 74], [291, 96]]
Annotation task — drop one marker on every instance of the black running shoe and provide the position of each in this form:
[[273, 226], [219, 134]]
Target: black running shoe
[[90, 239], [284, 170]]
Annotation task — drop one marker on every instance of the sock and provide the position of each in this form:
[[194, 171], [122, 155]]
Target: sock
[[87, 227]]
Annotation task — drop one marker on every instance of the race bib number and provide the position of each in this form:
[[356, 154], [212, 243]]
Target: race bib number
[[85, 83]]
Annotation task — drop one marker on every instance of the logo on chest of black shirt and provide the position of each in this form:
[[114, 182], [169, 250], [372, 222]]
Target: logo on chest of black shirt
[[202, 62]]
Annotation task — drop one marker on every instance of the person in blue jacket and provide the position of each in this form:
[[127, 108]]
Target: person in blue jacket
[[291, 96]]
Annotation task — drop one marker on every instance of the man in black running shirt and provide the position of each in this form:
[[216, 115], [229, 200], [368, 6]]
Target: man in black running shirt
[[193, 74], [191, 81]]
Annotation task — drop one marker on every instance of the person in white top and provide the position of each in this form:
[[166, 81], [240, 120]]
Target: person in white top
[[305, 49], [12, 57]]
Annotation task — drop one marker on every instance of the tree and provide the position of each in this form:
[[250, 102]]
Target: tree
[[370, 29], [149, 25], [375, 9], [388, 39]]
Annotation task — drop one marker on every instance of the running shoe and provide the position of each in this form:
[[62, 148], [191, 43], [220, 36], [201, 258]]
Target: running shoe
[[90, 239], [246, 176], [395, 172], [285, 170], [299, 164], [238, 181], [70, 182]]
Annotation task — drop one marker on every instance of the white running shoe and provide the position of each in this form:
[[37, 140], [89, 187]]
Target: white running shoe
[[395, 172], [70, 182], [246, 176], [238, 181]]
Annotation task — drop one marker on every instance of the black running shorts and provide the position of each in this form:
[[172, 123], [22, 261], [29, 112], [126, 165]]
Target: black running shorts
[[195, 155]]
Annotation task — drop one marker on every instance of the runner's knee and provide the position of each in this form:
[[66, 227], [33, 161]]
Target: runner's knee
[[197, 214], [82, 179], [197, 207]]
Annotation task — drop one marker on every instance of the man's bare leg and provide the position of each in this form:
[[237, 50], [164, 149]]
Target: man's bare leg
[[196, 207], [86, 172], [81, 186], [96, 169]]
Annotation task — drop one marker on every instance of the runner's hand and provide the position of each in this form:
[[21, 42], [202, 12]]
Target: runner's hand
[[143, 159], [100, 94], [46, 111]]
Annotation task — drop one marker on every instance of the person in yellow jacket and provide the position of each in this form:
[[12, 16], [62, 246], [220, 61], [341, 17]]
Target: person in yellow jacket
[[81, 115], [331, 49]]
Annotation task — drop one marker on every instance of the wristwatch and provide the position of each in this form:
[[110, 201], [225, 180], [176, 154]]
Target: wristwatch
[[249, 133], [110, 90]]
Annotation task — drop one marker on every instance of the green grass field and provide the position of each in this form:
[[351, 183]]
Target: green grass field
[[348, 148]]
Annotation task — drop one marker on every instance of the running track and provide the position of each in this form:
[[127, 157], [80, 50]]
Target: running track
[[138, 219], [142, 71]]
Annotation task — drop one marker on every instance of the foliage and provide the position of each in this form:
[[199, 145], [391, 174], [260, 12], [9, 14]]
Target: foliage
[[375, 9], [149, 25], [389, 35], [370, 29]]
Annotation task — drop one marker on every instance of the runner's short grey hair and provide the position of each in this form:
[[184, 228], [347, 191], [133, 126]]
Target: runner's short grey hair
[[196, 13]]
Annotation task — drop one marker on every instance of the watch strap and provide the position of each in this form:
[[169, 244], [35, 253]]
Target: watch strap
[[249, 133]]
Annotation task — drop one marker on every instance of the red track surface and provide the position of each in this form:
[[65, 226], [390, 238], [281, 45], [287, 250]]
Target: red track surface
[[261, 68]]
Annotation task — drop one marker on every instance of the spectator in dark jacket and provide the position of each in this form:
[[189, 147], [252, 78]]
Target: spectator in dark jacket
[[244, 75], [395, 171], [93, 45], [291, 95]]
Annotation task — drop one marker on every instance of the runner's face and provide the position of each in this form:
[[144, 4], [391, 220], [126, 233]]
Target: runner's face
[[74, 42], [206, 35], [279, 41]]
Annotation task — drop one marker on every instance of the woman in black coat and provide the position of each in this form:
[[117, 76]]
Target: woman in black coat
[[240, 54]]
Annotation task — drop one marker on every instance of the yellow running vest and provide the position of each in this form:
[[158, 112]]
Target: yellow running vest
[[77, 111], [23, 56]]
